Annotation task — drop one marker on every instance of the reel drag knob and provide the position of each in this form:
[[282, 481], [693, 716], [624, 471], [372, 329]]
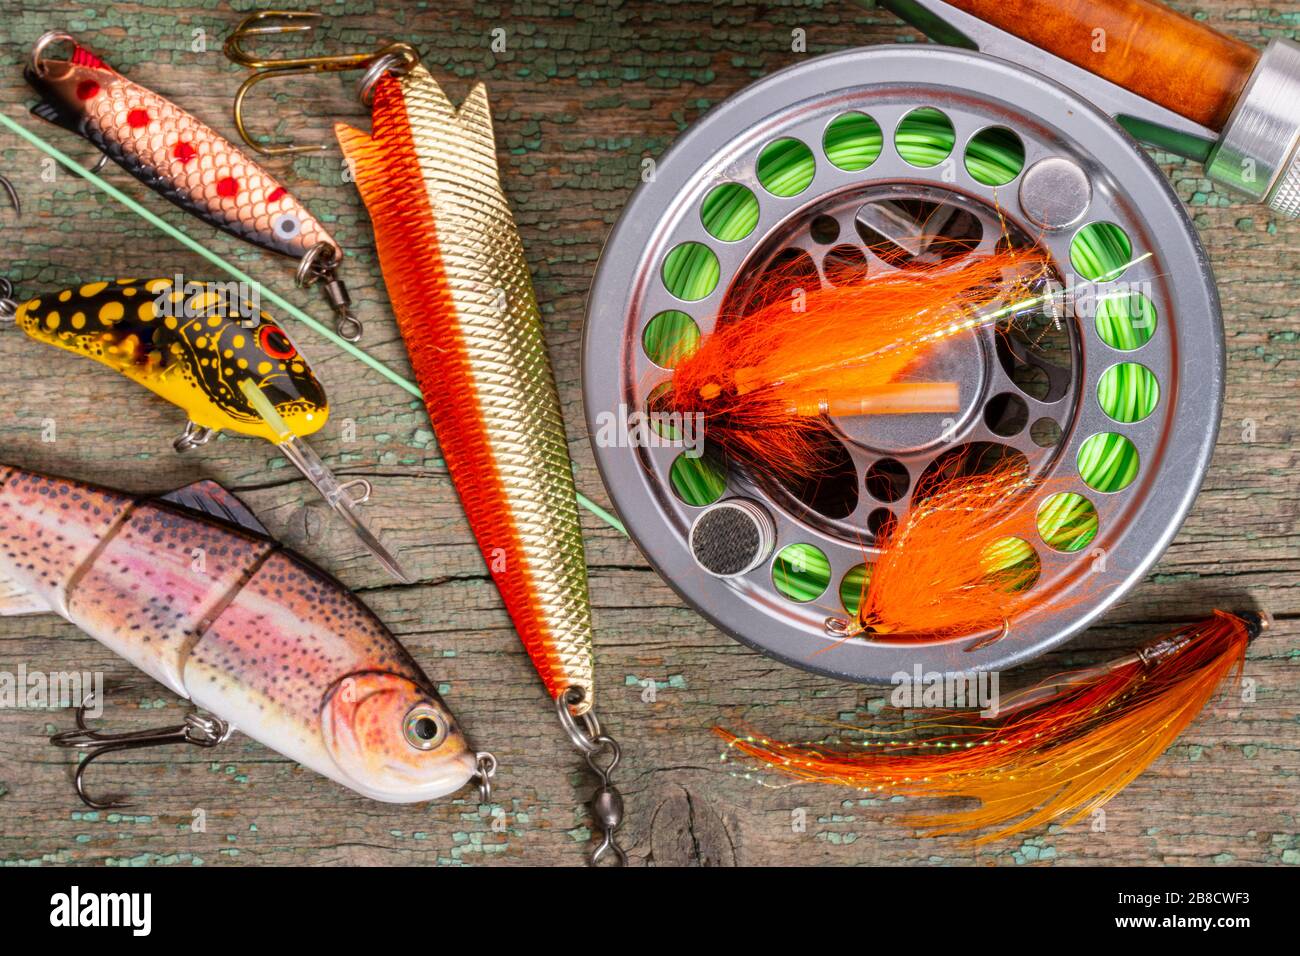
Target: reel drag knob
[[732, 537]]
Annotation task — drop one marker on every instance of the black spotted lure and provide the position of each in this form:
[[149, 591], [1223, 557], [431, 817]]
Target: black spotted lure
[[206, 348], [191, 344]]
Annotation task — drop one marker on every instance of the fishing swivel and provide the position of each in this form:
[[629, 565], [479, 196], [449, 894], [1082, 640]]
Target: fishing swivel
[[603, 754], [197, 730], [318, 265]]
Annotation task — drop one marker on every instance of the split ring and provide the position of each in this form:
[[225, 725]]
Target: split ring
[[398, 59], [47, 40]]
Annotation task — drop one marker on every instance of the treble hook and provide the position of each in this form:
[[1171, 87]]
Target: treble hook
[[8, 307], [198, 730], [397, 58], [13, 196]]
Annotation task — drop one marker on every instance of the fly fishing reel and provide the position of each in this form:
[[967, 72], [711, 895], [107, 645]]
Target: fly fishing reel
[[890, 158]]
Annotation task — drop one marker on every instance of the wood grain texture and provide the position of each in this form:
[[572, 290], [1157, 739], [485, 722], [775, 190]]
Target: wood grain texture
[[581, 95]]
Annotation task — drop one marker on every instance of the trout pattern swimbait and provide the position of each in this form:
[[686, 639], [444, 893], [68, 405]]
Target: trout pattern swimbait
[[190, 345], [255, 635], [170, 151]]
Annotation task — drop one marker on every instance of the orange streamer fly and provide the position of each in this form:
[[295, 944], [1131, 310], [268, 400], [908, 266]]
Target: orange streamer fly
[[1057, 751], [954, 565], [756, 377]]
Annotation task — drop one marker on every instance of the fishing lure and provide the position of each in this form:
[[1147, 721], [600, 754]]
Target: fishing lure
[[186, 162], [190, 345], [203, 347], [766, 377], [261, 639], [954, 564], [1056, 751], [455, 270]]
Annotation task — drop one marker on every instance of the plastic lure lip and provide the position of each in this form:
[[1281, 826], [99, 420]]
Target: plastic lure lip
[[338, 495]]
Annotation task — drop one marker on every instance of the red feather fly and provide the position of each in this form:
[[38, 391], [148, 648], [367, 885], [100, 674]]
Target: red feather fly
[[1058, 750], [763, 380]]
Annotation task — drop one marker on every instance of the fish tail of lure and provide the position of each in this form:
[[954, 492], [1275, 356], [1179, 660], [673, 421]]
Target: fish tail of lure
[[454, 266], [1057, 751]]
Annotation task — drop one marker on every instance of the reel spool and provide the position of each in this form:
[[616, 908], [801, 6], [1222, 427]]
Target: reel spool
[[868, 160]]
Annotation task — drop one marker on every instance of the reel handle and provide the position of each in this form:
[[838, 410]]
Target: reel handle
[[1147, 48]]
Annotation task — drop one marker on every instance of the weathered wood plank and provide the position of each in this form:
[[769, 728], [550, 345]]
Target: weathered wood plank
[[582, 94]]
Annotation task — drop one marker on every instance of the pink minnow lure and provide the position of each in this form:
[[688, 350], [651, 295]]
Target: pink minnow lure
[[190, 589], [171, 152]]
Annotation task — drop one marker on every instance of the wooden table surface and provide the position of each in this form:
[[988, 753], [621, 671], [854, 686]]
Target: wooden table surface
[[581, 94]]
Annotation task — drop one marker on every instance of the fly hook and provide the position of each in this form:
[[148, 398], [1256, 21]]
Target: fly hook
[[396, 58], [198, 730], [991, 640]]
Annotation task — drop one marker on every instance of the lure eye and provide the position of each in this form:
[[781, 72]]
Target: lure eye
[[275, 343], [424, 727], [286, 226]]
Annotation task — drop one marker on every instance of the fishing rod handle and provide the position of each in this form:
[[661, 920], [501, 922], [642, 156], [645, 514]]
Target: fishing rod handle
[[1250, 98], [1144, 46]]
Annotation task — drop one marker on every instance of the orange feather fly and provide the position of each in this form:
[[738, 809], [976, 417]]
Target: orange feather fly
[[955, 564], [1056, 751], [756, 376]]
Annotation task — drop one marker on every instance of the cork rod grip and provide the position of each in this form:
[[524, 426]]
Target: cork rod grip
[[1149, 49]]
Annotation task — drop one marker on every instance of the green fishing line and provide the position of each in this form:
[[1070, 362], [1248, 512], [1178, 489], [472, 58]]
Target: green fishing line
[[801, 572], [1128, 392], [1109, 462], [669, 337], [995, 156], [1067, 522], [854, 586], [925, 137], [240, 276], [853, 141], [697, 481], [786, 167], [1012, 563], [729, 212]]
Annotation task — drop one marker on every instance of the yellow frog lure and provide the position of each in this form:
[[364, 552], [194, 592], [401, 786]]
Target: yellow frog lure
[[191, 343]]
